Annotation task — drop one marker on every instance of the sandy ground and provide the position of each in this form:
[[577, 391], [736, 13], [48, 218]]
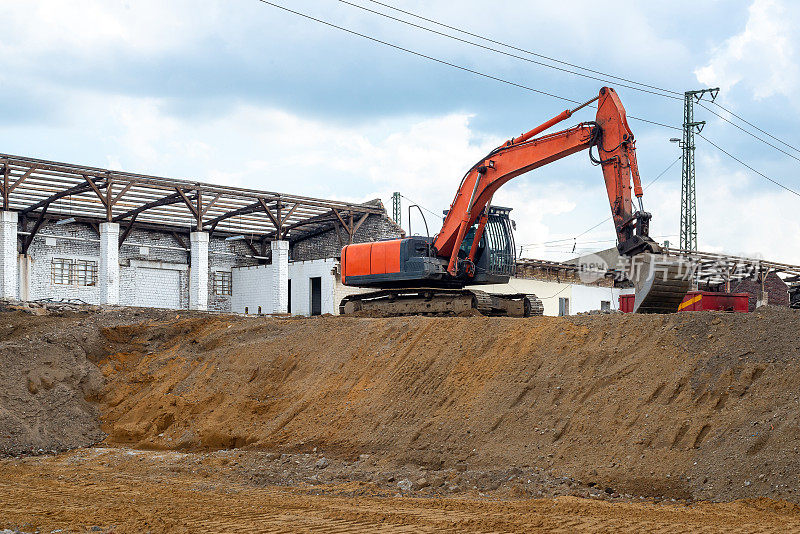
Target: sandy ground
[[118, 490], [676, 423], [686, 406]]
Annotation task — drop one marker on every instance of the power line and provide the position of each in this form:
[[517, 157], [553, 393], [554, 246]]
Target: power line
[[654, 180], [507, 82], [605, 80], [556, 294], [746, 165], [756, 127], [679, 97], [460, 30], [525, 87], [748, 132], [443, 62], [420, 205], [566, 244]]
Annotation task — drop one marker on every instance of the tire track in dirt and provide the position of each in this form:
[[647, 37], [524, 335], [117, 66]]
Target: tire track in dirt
[[137, 491]]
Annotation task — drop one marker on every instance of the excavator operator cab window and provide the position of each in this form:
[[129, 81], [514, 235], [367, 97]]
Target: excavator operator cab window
[[467, 244], [498, 238]]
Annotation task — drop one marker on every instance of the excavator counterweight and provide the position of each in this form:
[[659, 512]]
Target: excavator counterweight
[[475, 244]]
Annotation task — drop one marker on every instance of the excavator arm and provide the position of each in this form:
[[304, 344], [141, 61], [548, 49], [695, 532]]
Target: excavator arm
[[616, 156], [422, 275]]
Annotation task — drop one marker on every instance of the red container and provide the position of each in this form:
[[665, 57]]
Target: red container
[[626, 303], [710, 300]]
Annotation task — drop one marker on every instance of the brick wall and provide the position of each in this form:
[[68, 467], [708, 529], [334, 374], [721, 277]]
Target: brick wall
[[154, 284], [555, 273], [223, 256], [142, 256], [300, 274], [9, 284], [154, 266], [80, 243], [251, 287]]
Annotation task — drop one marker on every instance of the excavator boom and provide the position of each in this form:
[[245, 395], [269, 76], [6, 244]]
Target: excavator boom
[[616, 155]]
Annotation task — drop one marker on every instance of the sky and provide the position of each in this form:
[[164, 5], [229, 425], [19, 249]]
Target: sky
[[239, 92]]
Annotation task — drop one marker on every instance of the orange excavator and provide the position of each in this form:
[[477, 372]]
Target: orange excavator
[[423, 275]]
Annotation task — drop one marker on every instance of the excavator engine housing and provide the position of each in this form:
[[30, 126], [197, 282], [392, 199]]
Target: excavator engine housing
[[413, 262]]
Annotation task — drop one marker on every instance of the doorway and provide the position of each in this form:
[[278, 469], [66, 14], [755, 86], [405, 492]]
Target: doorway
[[316, 295]]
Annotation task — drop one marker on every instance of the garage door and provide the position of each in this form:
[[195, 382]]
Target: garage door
[[157, 288]]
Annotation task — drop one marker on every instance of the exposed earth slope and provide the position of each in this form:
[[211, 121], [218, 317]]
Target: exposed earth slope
[[693, 406]]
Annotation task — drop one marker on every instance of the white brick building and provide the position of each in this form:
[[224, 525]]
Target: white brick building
[[108, 237], [562, 289], [564, 297], [63, 262]]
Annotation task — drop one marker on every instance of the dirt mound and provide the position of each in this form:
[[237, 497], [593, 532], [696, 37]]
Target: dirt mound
[[49, 385], [46, 381], [697, 405]]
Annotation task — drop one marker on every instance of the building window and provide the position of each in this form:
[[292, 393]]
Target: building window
[[563, 306], [605, 305], [85, 272], [222, 283], [74, 272], [61, 270]]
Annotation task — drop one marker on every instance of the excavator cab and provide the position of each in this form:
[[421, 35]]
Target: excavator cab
[[495, 259]]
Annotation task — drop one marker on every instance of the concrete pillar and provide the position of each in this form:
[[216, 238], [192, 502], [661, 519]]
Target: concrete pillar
[[24, 277], [280, 276], [8, 255], [198, 271], [108, 273]]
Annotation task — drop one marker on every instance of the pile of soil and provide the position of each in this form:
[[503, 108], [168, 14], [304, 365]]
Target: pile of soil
[[49, 384], [695, 405]]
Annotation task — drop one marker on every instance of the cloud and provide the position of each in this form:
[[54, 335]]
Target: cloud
[[235, 92], [271, 149], [92, 29], [763, 224], [207, 54], [763, 57]]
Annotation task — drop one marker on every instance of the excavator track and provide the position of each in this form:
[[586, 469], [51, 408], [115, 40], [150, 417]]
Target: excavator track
[[439, 302], [534, 306], [482, 301]]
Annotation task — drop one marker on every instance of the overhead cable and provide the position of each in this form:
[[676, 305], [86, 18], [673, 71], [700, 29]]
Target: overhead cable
[[466, 41], [669, 93], [748, 166], [449, 64], [748, 132], [460, 30]]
